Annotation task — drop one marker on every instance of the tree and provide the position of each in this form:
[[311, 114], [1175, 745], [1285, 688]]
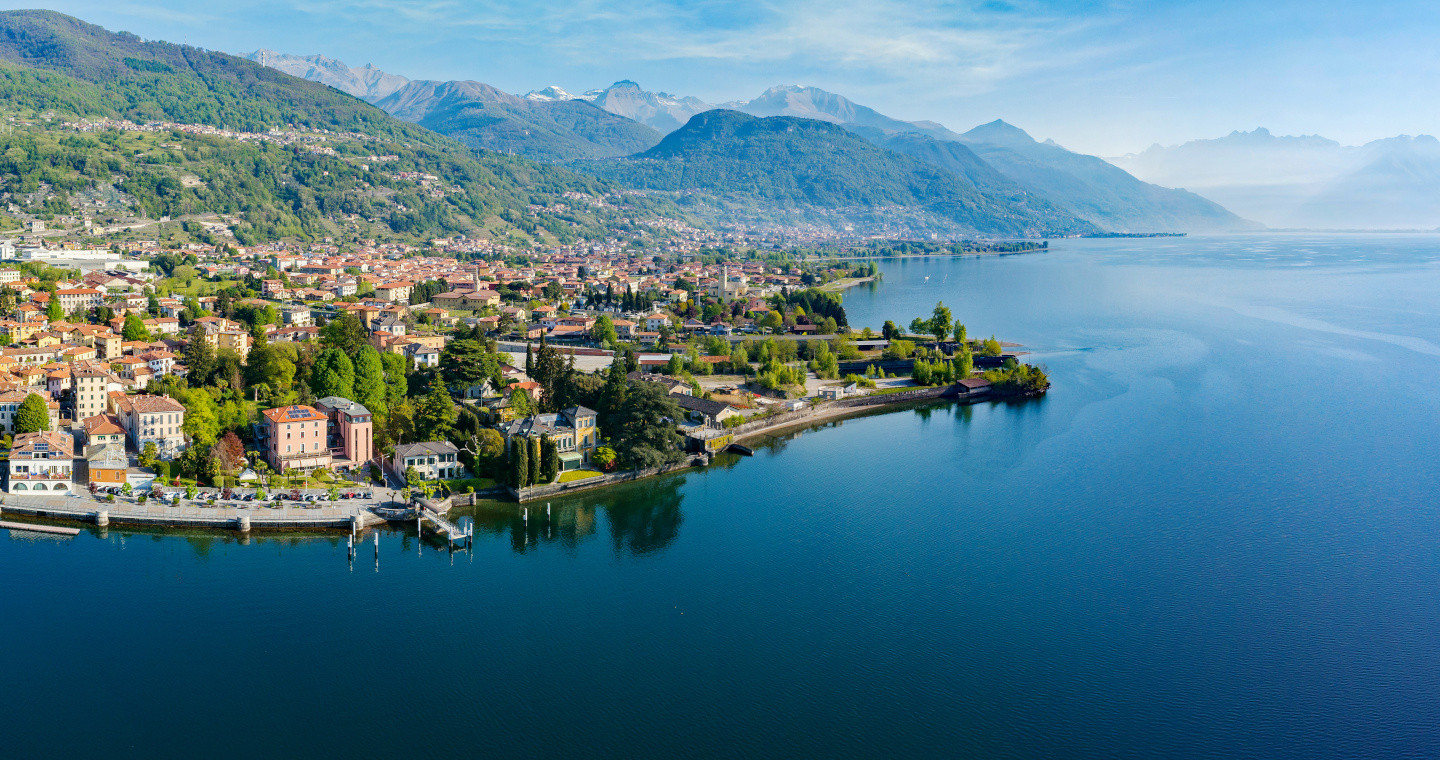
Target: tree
[[32, 416], [549, 459], [370, 380], [202, 416], [333, 375], [772, 320], [465, 363], [889, 331], [436, 416], [551, 373], [533, 448], [267, 365], [148, 455], [940, 322], [604, 457], [739, 359], [229, 452], [488, 444], [964, 362], [345, 333], [992, 347], [959, 331], [519, 462], [199, 358], [603, 331], [612, 397], [134, 329], [522, 404], [398, 425], [53, 312], [645, 434]]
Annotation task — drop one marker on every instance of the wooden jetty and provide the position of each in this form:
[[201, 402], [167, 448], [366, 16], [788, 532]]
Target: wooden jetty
[[33, 528]]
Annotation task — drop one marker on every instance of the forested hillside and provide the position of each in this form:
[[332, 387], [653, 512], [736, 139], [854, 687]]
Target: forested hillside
[[789, 162], [333, 161]]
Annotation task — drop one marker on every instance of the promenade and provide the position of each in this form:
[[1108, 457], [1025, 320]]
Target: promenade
[[127, 510]]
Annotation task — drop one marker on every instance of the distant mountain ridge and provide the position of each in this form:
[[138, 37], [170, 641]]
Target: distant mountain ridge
[[365, 82], [1306, 181], [483, 117], [1083, 186], [660, 111], [790, 163]]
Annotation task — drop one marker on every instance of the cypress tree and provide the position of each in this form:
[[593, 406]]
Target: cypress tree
[[534, 467], [549, 459], [519, 463]]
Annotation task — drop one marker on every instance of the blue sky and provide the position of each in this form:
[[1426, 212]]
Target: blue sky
[[1101, 77]]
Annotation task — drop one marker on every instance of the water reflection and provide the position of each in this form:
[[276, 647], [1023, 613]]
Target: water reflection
[[642, 518], [649, 518]]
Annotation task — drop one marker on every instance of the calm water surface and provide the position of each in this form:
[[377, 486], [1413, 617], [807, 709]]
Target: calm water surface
[[1218, 536]]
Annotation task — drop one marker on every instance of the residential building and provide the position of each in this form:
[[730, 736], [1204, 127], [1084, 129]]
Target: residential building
[[434, 460], [10, 402], [573, 431], [394, 291], [73, 299], [104, 430], [151, 419], [294, 437], [351, 436], [108, 466], [41, 462], [92, 389], [704, 411]]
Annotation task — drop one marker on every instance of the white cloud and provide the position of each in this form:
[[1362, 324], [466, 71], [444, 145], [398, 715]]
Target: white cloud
[[965, 46]]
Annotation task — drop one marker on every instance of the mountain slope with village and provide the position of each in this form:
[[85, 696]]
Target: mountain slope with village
[[125, 133]]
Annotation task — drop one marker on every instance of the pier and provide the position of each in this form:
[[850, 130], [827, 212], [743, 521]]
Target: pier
[[33, 528], [454, 533], [86, 510]]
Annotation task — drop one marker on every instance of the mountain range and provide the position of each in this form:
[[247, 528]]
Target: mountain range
[[1305, 181], [554, 125], [827, 167]]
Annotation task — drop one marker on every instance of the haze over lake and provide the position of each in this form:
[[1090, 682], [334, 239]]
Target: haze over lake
[[1214, 537]]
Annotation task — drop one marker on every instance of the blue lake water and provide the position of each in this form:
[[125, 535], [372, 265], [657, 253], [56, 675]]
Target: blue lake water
[[1217, 536]]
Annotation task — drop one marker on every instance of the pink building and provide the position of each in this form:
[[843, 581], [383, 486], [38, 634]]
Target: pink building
[[295, 437], [352, 431]]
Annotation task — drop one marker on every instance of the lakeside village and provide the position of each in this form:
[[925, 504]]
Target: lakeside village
[[223, 374]]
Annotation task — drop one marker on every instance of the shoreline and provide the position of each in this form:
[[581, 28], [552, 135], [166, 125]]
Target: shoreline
[[226, 520]]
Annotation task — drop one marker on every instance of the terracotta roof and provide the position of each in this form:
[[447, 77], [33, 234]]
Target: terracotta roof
[[292, 414]]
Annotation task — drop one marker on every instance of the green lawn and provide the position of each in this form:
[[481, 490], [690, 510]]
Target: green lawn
[[479, 484], [570, 475]]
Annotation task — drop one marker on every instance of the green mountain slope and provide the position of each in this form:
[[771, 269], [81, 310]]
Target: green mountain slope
[[788, 162], [481, 116], [303, 183]]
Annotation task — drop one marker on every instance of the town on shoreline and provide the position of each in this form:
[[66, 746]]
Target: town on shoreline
[[310, 386]]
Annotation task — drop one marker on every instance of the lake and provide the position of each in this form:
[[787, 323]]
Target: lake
[[1215, 537]]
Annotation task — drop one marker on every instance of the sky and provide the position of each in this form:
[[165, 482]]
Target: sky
[[1105, 78]]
